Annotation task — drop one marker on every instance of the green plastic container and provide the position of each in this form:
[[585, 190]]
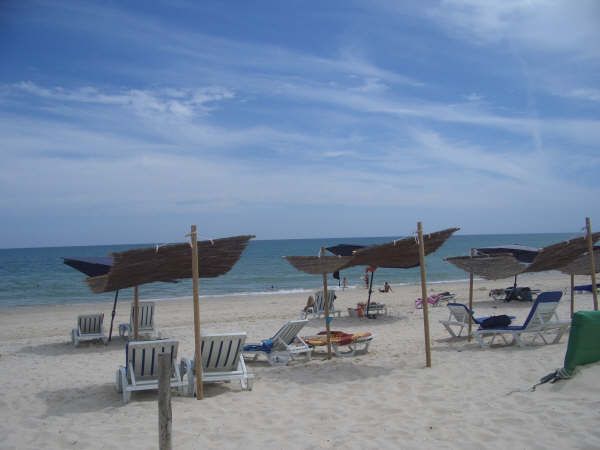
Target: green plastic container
[[584, 340]]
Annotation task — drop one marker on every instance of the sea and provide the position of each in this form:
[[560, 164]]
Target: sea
[[38, 276]]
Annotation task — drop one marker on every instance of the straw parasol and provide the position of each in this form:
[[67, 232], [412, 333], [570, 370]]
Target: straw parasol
[[404, 254], [581, 265], [489, 267], [320, 265], [210, 259]]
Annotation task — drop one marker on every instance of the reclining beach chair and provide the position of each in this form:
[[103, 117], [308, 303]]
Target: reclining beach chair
[[541, 319], [434, 300], [356, 343], [89, 328], [140, 372], [283, 346], [319, 309], [222, 360], [459, 317], [145, 322]]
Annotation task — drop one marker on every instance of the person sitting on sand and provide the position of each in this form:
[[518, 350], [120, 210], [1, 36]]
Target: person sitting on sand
[[386, 288], [310, 303]]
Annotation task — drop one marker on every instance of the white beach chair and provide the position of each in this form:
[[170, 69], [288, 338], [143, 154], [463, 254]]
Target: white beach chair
[[283, 346], [146, 327], [140, 372], [89, 328], [222, 360], [319, 309], [542, 319]]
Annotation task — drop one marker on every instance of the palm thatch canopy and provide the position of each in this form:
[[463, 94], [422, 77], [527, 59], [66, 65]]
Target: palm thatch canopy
[[582, 266], [401, 254], [170, 262], [557, 256], [489, 267], [318, 265]]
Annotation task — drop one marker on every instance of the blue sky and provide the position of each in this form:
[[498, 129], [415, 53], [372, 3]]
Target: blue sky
[[125, 122]]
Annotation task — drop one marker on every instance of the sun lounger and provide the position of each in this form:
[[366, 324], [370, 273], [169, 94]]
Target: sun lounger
[[146, 327], [283, 346], [523, 293], [585, 288], [374, 309], [140, 372], [319, 309], [222, 360], [459, 317], [542, 319], [434, 300], [355, 343], [89, 328]]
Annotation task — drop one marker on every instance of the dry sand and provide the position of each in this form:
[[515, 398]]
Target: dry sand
[[56, 396]]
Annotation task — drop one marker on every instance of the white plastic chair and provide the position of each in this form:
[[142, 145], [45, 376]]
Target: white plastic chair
[[89, 328]]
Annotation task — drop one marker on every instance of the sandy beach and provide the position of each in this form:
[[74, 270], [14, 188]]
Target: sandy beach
[[54, 395]]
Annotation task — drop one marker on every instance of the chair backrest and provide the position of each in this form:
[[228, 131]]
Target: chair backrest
[[143, 356], [320, 301], [460, 312], [543, 309], [221, 352], [90, 323], [145, 315], [287, 333]]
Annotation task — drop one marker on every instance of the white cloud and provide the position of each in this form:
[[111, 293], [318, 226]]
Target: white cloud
[[549, 25], [589, 94]]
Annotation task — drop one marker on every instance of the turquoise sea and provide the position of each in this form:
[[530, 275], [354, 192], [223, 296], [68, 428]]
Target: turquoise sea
[[36, 276]]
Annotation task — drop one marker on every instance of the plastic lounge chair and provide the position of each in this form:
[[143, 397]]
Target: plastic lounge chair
[[374, 309], [459, 317], [434, 300], [89, 328], [140, 372], [522, 293], [539, 321], [319, 309], [356, 343], [145, 322], [283, 346], [585, 288], [222, 360]]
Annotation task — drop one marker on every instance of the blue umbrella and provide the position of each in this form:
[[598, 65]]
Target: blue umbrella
[[94, 267]]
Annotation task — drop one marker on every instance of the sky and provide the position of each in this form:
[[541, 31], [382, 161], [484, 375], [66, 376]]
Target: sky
[[127, 122]]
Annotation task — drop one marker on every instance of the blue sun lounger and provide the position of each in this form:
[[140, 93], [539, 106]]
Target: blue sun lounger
[[541, 319], [459, 317]]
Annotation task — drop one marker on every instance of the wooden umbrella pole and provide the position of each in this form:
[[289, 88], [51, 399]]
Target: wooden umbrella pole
[[326, 297], [136, 311], [197, 343], [471, 297], [424, 294], [572, 294], [593, 266]]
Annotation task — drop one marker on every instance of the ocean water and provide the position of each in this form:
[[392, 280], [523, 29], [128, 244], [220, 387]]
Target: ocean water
[[36, 276]]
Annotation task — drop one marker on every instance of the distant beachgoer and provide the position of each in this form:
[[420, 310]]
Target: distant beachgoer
[[366, 278], [310, 303], [386, 288], [345, 285]]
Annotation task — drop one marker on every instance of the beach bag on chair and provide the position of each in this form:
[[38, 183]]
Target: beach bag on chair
[[496, 321]]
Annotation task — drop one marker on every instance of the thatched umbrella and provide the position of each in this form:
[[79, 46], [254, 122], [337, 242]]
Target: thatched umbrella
[[522, 253], [581, 266], [170, 262], [320, 265], [403, 254]]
